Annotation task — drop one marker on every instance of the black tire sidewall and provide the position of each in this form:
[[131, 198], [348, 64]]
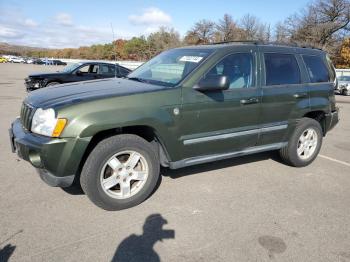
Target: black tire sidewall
[[304, 124], [101, 154]]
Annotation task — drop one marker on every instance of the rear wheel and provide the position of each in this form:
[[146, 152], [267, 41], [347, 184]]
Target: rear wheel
[[121, 172], [304, 144]]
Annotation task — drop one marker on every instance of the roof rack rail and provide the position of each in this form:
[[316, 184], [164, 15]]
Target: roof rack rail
[[255, 42], [260, 42]]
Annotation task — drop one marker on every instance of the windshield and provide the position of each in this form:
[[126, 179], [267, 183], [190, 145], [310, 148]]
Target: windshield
[[71, 68], [170, 67], [344, 78]]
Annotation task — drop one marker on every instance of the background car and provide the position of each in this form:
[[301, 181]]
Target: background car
[[15, 59], [3, 60], [56, 62], [29, 60], [74, 73], [38, 61], [344, 85]]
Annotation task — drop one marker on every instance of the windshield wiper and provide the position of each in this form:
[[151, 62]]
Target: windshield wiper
[[137, 79]]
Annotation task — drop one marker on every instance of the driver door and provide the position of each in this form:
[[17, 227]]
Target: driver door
[[223, 121], [85, 72]]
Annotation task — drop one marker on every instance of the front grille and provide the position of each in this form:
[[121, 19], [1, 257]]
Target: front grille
[[27, 112]]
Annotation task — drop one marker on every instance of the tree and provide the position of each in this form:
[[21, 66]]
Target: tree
[[163, 39], [321, 24], [253, 29], [344, 54], [202, 32], [137, 48], [227, 29]]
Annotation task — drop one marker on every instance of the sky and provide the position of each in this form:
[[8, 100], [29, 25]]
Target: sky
[[74, 23]]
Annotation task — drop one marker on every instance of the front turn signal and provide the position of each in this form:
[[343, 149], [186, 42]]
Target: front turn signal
[[60, 125]]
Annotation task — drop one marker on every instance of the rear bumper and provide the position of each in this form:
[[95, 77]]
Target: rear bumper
[[331, 119], [56, 159]]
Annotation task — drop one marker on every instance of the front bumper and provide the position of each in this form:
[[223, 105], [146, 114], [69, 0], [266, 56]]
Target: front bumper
[[57, 160], [32, 84], [331, 119]]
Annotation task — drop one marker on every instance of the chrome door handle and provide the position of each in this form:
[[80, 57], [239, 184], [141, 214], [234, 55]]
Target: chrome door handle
[[248, 101], [300, 95]]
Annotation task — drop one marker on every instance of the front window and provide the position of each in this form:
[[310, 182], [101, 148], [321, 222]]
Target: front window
[[238, 68], [170, 67], [71, 68]]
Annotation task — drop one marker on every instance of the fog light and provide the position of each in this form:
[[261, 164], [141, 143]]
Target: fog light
[[35, 159]]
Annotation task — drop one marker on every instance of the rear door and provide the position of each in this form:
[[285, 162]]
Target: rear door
[[107, 71], [321, 82], [285, 95]]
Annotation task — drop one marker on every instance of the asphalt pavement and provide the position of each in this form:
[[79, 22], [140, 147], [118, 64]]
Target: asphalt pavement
[[252, 208]]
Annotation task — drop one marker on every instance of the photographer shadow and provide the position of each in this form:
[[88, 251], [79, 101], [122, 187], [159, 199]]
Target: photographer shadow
[[140, 247]]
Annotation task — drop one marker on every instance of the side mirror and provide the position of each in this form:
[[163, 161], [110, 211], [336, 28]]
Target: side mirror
[[78, 73], [213, 83]]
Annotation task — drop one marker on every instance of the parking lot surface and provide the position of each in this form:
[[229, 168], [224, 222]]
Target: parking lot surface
[[252, 208]]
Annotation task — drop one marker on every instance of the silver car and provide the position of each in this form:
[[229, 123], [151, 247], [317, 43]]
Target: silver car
[[344, 85]]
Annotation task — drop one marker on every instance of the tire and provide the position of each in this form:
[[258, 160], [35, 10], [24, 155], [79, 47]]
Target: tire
[[290, 155], [53, 83], [95, 172], [345, 92]]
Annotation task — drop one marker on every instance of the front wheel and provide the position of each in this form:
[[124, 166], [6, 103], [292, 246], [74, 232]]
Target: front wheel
[[345, 92], [304, 144], [120, 172]]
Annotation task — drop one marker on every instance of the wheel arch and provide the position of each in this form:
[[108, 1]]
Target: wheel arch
[[319, 116], [146, 132]]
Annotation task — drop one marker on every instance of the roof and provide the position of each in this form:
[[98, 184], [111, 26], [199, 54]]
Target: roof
[[230, 44]]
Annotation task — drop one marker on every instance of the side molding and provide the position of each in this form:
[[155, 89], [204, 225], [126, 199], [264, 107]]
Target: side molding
[[215, 157]]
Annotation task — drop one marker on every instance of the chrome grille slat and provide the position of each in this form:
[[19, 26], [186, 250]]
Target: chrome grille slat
[[26, 116]]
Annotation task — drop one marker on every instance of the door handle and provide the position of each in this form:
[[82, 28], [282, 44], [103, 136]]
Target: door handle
[[248, 101], [300, 95]]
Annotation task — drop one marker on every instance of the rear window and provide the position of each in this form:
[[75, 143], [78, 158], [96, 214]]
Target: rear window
[[281, 69], [316, 68]]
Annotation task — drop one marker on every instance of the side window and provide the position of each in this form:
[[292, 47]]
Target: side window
[[94, 69], [238, 68], [281, 69], [84, 69], [107, 70], [316, 68], [123, 72]]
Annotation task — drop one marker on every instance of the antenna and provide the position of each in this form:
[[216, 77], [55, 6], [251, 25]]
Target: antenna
[[115, 52]]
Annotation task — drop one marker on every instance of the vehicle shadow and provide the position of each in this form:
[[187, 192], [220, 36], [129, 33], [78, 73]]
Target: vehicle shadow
[[76, 189], [140, 247], [192, 170], [6, 252]]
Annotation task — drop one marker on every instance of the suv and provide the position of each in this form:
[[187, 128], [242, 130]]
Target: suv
[[74, 73], [186, 106]]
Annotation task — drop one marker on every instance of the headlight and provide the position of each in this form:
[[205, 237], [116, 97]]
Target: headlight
[[45, 123]]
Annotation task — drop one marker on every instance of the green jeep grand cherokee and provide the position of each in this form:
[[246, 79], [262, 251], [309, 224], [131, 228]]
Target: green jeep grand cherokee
[[184, 107]]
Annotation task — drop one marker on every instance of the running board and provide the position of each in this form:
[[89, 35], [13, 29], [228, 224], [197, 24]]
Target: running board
[[215, 157]]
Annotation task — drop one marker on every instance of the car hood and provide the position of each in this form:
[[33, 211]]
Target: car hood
[[61, 95]]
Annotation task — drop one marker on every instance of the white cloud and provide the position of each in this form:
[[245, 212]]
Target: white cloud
[[7, 32], [151, 16], [64, 19], [30, 23], [61, 30]]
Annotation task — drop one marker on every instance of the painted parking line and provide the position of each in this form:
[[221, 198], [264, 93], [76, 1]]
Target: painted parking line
[[335, 160]]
